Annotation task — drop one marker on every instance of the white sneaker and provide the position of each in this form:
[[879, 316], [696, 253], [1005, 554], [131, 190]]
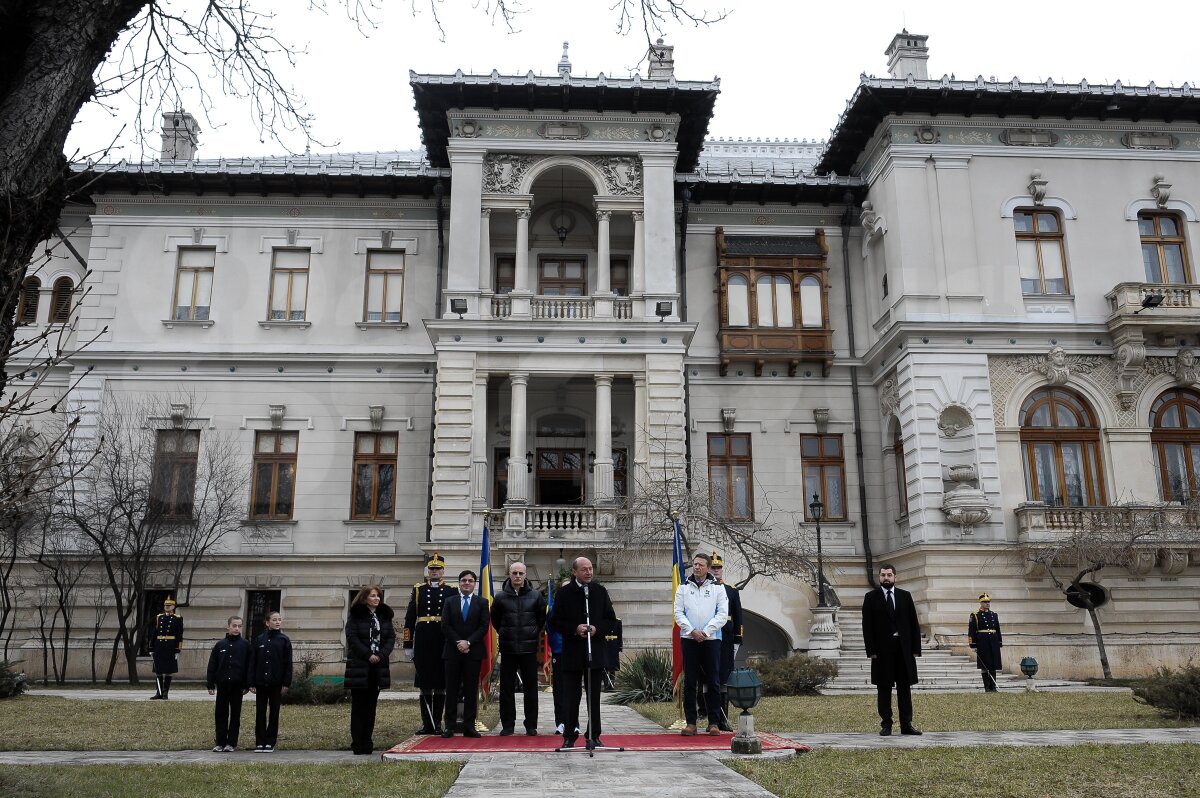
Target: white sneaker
[[229, 749], [268, 749], [558, 729], [218, 749], [258, 749]]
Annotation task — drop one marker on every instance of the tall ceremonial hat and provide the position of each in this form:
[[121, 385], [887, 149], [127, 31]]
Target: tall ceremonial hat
[[436, 561], [717, 561], [984, 597], [169, 601]]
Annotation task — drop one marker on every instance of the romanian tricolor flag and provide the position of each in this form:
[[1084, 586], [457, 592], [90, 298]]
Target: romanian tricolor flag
[[485, 591], [677, 579]]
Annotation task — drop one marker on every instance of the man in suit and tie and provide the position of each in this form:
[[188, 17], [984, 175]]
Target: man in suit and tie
[[465, 620], [893, 641]]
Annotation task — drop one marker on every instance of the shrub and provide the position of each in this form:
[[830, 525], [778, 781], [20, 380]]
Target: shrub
[[796, 675], [1172, 692], [12, 681], [306, 690], [644, 677]]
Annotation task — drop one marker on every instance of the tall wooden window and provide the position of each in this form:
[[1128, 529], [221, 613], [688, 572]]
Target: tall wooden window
[[1061, 442], [620, 474], [738, 297], [1040, 252], [811, 304], [274, 475], [1175, 433], [289, 284], [618, 276], [374, 476], [1163, 248], [385, 286], [559, 475], [194, 283], [506, 274], [173, 482], [562, 277], [499, 477], [27, 306], [824, 466], [773, 294], [730, 473], [783, 298], [60, 301], [901, 476]]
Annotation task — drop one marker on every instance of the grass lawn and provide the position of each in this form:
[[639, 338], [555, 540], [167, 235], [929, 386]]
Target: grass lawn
[[1112, 771], [37, 723], [949, 712], [407, 779]]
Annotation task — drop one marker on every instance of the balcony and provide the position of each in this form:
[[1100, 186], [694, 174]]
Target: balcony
[[1041, 523], [790, 346], [560, 308], [554, 525], [1161, 309]]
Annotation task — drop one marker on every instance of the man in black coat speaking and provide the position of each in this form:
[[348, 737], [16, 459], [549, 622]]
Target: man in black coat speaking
[[582, 612], [893, 641]]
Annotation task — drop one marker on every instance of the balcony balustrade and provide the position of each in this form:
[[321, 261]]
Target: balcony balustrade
[[1041, 523], [546, 522], [559, 308], [1157, 308]]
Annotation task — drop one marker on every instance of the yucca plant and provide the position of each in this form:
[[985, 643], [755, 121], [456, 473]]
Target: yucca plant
[[644, 677]]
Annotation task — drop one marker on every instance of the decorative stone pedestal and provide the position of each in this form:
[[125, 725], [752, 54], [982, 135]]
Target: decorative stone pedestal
[[824, 640], [745, 741]]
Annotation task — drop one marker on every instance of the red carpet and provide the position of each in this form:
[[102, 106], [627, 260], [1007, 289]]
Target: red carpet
[[653, 741]]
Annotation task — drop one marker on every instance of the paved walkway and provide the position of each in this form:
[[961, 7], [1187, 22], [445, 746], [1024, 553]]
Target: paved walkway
[[632, 774]]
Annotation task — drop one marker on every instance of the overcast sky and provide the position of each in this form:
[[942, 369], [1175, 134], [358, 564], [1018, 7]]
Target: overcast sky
[[786, 67]]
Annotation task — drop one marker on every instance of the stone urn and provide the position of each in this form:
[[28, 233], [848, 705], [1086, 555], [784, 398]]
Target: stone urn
[[965, 504]]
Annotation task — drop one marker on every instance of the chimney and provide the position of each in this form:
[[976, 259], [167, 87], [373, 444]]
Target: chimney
[[907, 55], [180, 135], [662, 61]]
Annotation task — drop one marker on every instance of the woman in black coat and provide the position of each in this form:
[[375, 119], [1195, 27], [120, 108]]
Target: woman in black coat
[[370, 638]]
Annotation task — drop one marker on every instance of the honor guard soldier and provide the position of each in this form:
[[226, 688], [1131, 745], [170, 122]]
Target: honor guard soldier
[[166, 641], [423, 642], [731, 636], [983, 634]]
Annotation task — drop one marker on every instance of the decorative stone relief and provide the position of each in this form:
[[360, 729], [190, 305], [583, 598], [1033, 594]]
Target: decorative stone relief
[[953, 419], [376, 415], [622, 175], [1087, 140], [276, 415], [563, 131], [1129, 357], [618, 133], [969, 137], [1187, 371], [966, 505], [1161, 191], [927, 134], [1037, 187], [502, 172], [889, 397], [179, 415], [1149, 141], [467, 129], [1172, 562], [1027, 137], [660, 133], [728, 418], [1056, 365]]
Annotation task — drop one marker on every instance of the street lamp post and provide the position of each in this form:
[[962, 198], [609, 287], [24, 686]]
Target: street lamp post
[[815, 509]]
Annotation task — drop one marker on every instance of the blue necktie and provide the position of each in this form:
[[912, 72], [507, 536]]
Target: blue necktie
[[466, 606]]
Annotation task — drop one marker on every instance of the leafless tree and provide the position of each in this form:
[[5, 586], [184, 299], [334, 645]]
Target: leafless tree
[[1132, 536], [773, 544], [61, 559], [156, 500]]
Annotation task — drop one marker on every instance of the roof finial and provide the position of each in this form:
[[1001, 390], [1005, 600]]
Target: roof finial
[[564, 66]]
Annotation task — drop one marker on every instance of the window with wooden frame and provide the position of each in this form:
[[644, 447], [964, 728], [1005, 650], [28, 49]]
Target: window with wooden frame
[[173, 477], [374, 476], [1164, 250], [385, 286], [618, 276], [27, 305], [824, 467], [60, 301], [562, 276], [499, 477], [620, 474], [506, 274], [1175, 435], [1061, 444], [1041, 255], [289, 284], [901, 475], [730, 471], [194, 283], [783, 298], [274, 475]]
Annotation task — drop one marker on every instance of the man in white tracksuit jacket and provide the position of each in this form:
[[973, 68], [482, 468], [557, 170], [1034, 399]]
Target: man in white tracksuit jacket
[[701, 609]]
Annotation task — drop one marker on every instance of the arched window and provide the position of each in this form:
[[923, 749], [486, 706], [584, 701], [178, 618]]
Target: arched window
[[27, 306], [60, 301], [901, 477], [1061, 443], [738, 291], [811, 314], [1175, 433], [774, 296]]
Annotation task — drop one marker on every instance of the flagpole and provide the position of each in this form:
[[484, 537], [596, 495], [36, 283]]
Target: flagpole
[[676, 646]]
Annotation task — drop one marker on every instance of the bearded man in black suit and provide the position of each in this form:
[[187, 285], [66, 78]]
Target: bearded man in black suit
[[893, 641]]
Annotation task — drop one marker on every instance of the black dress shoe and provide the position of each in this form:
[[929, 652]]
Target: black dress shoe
[[471, 733], [885, 731], [531, 732], [427, 730], [597, 743], [569, 741], [724, 726], [911, 730], [363, 752], [447, 734], [506, 732]]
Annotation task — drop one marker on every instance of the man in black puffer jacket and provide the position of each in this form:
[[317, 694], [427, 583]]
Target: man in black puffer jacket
[[518, 615], [270, 676]]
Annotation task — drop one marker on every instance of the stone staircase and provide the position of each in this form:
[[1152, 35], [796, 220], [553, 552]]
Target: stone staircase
[[939, 669]]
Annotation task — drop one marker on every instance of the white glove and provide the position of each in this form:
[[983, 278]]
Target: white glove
[[408, 654]]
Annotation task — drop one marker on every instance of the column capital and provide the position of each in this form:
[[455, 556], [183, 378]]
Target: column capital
[[486, 213], [519, 378], [638, 215], [604, 379], [481, 377], [524, 213], [603, 216]]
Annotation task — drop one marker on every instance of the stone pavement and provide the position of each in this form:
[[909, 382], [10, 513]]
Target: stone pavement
[[631, 774]]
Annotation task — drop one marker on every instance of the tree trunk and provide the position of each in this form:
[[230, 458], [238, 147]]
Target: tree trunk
[[1095, 616]]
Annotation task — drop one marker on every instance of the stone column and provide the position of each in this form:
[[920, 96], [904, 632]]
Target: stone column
[[479, 460], [639, 253], [521, 279], [641, 444], [602, 475], [603, 259], [485, 249], [518, 471]]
